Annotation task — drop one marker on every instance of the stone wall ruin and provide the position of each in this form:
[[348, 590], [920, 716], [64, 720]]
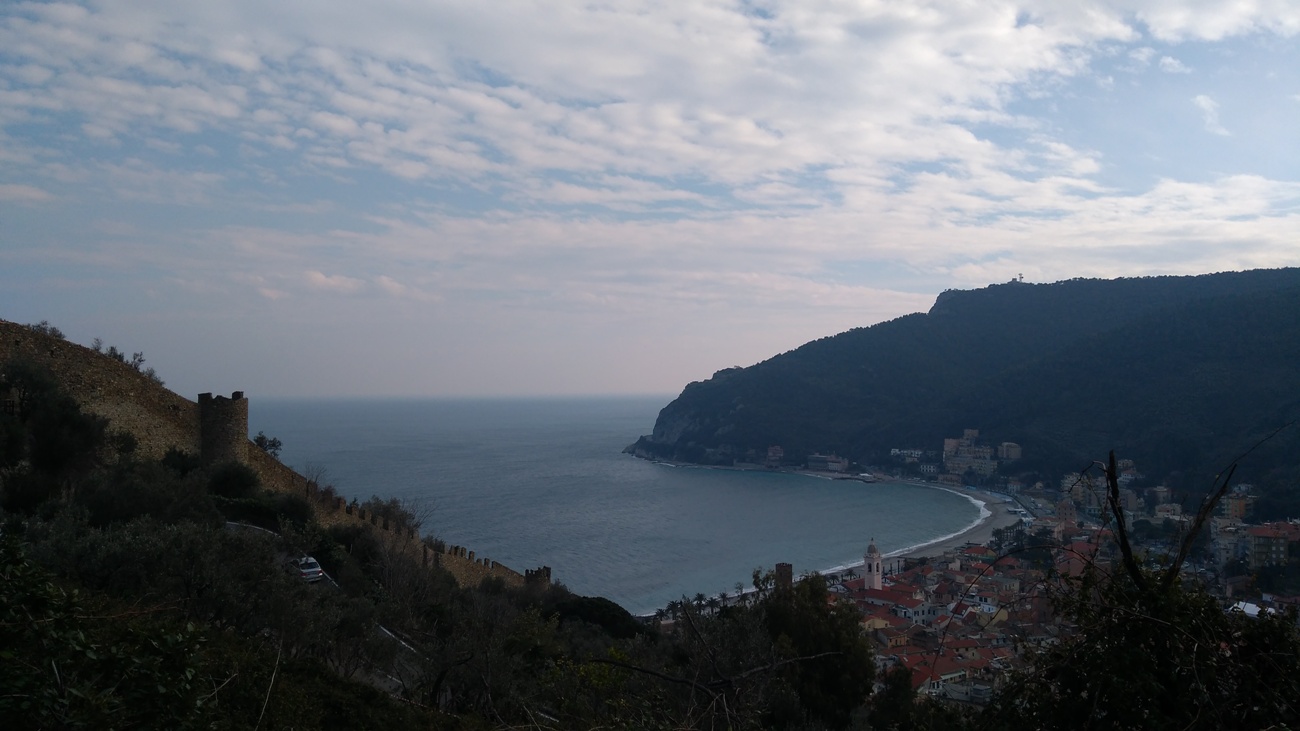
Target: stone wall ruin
[[216, 429]]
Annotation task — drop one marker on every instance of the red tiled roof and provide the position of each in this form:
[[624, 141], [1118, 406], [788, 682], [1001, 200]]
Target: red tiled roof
[[890, 596], [1267, 531]]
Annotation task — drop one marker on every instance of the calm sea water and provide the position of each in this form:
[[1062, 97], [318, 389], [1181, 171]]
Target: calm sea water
[[544, 481]]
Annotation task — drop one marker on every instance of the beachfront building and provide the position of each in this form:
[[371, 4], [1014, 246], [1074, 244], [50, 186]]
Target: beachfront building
[[966, 453], [827, 463]]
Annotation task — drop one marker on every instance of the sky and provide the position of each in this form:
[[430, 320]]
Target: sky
[[320, 198]]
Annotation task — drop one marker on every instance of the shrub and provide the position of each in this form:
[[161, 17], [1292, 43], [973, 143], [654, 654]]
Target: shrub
[[234, 480]]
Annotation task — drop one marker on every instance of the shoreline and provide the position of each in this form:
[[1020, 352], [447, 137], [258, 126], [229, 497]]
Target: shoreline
[[993, 515]]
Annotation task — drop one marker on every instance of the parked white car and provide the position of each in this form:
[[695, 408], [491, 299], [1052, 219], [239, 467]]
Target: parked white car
[[307, 568]]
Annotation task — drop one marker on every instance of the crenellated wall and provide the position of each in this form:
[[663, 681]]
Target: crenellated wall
[[460, 562], [216, 429]]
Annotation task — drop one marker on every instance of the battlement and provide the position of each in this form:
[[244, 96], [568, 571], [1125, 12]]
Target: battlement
[[468, 569], [223, 428]]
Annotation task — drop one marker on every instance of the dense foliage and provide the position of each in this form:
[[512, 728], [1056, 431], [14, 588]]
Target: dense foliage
[[1178, 373], [129, 601], [1144, 648], [1154, 657]]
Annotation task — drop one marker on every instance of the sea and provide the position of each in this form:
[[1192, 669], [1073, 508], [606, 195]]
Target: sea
[[533, 482]]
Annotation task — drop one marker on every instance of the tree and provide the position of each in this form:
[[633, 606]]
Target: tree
[[136, 362], [45, 328], [1144, 650], [69, 666], [837, 678], [270, 445], [401, 514], [896, 706], [234, 480], [49, 445]]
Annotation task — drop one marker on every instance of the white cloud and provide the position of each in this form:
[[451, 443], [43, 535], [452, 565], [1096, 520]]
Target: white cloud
[[166, 146], [1210, 114], [701, 90], [1208, 20], [1142, 55], [548, 167], [333, 283], [1171, 65], [18, 193], [391, 286]]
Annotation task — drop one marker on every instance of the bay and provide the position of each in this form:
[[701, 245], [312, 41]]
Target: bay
[[531, 482]]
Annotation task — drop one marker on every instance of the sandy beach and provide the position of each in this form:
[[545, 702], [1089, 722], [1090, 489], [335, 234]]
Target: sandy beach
[[981, 533]]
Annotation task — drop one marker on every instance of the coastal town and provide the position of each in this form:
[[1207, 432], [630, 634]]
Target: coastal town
[[959, 614], [979, 624]]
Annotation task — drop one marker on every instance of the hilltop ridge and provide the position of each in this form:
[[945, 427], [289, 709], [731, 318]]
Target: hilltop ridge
[[160, 421], [1177, 371]]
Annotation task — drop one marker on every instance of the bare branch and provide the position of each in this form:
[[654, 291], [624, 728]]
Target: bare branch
[[1126, 550], [1218, 490]]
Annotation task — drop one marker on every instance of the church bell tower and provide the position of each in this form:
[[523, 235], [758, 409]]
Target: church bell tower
[[871, 566]]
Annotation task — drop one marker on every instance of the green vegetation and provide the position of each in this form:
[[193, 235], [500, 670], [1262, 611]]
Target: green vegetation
[[136, 361], [128, 601], [45, 328], [1179, 373], [1144, 650], [270, 445]]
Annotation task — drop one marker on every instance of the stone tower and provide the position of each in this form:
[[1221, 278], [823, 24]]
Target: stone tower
[[871, 566], [784, 576], [223, 428]]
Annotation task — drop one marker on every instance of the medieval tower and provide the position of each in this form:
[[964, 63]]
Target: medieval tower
[[223, 428]]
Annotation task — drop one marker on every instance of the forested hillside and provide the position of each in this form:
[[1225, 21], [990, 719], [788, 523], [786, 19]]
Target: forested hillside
[[127, 600], [1179, 372]]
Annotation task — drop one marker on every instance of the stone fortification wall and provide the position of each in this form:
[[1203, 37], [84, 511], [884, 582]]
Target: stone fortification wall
[[157, 418], [216, 429], [468, 569], [274, 474]]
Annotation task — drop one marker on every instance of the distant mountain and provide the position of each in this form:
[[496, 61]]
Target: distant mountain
[[1179, 373]]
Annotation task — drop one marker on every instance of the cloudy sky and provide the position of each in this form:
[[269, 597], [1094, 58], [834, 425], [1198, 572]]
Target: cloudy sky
[[488, 197]]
